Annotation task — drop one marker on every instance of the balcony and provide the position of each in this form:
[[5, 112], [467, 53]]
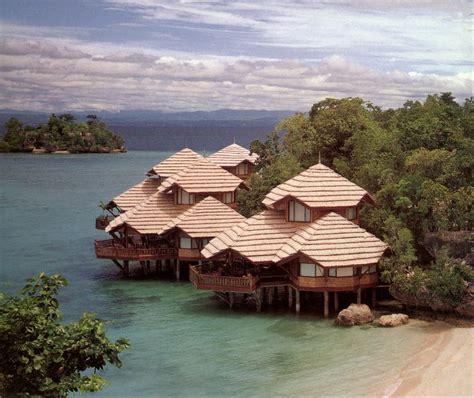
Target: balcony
[[189, 254], [214, 281], [101, 222], [114, 250], [346, 283]]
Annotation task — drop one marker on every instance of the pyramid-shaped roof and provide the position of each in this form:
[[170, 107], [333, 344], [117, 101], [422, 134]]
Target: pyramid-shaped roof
[[232, 155], [202, 176], [208, 218], [136, 194], [175, 163], [331, 241], [318, 187], [334, 241], [150, 216]]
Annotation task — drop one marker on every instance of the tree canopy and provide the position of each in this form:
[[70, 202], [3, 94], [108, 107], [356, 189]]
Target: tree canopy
[[416, 160], [41, 356], [60, 133]]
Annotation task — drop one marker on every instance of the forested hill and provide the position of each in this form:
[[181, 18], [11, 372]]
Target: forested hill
[[61, 133], [418, 162]]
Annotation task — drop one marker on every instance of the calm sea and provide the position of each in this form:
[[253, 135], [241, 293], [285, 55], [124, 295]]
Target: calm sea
[[185, 343]]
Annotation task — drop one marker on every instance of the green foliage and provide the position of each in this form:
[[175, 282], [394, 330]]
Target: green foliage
[[416, 160], [43, 357], [61, 132]]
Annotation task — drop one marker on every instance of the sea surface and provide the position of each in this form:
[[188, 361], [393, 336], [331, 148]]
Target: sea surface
[[184, 342]]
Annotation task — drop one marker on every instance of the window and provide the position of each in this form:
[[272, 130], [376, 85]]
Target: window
[[311, 270], [205, 241], [242, 169], [341, 272], [298, 212], [365, 270], [351, 213], [229, 197], [184, 198], [373, 269], [188, 243]]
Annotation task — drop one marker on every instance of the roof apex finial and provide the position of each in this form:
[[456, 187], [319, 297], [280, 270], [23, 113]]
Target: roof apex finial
[[234, 139], [319, 157]]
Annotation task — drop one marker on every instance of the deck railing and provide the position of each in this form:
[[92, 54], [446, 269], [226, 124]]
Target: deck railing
[[335, 283], [211, 281], [113, 250]]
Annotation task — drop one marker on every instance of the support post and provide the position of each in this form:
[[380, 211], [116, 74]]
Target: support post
[[270, 295], [297, 296], [258, 299], [326, 304], [359, 295], [148, 267], [290, 297], [374, 297], [336, 301], [126, 268], [231, 300], [177, 270]]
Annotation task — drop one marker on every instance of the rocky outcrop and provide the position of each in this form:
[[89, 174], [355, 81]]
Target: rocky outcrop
[[458, 243], [355, 314], [466, 308], [393, 320]]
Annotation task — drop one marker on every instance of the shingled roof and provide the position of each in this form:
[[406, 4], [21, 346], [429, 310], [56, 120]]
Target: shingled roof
[[136, 194], [331, 241], [334, 241], [150, 216], [208, 218], [175, 163], [232, 155], [318, 187], [203, 176], [257, 238]]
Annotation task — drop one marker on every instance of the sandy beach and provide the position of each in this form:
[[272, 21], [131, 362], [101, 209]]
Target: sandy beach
[[443, 367]]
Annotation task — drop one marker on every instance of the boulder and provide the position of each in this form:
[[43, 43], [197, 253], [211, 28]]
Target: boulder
[[355, 314], [393, 320]]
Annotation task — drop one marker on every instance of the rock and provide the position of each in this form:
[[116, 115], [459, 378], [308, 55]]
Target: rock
[[39, 150], [466, 308], [355, 314], [393, 320]]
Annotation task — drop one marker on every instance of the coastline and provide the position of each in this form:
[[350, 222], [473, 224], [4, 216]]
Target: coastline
[[442, 367]]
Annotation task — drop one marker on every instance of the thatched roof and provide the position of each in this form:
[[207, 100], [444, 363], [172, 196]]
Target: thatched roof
[[150, 216], [135, 195], [208, 218], [202, 176], [331, 241], [232, 155], [318, 187], [175, 163]]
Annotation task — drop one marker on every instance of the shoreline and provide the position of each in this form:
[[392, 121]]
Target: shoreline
[[442, 367]]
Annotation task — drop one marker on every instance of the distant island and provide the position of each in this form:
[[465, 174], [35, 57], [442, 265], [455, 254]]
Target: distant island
[[61, 134]]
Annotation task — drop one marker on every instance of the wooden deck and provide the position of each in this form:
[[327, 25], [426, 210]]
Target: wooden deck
[[112, 250], [220, 283]]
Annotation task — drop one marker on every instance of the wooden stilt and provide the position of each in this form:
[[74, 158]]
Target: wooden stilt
[[157, 266], [231, 300], [148, 267], [297, 296], [290, 297], [258, 299], [126, 268], [336, 301], [163, 265], [326, 304], [359, 295], [270, 295], [178, 270], [374, 297], [118, 264]]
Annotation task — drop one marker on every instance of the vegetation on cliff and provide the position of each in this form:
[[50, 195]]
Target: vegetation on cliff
[[42, 356], [417, 160], [61, 133]]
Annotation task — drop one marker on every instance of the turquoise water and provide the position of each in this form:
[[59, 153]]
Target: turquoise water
[[185, 343]]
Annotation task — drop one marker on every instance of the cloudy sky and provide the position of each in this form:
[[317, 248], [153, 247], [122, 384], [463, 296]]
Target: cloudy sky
[[203, 55]]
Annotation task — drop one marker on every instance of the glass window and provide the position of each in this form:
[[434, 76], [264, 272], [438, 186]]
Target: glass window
[[351, 213], [365, 270], [185, 198], [341, 272], [373, 269], [205, 241], [333, 272], [307, 269], [229, 197], [298, 212], [185, 243], [242, 169]]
